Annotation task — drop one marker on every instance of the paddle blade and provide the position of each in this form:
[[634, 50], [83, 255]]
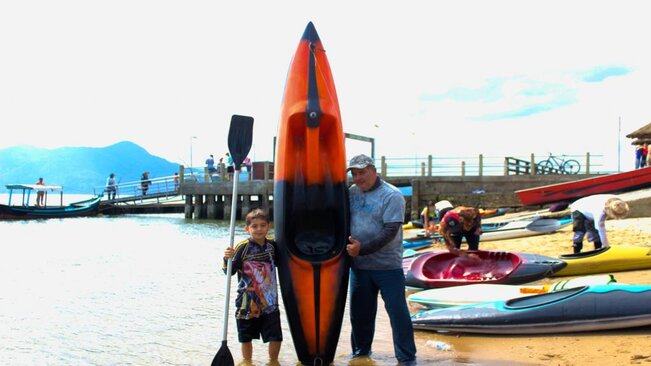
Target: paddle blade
[[240, 138], [223, 356]]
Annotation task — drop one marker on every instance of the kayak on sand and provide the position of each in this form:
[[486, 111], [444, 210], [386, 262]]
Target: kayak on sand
[[443, 269], [580, 309], [470, 294]]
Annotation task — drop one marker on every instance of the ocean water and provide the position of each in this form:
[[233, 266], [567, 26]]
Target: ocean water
[[126, 290]]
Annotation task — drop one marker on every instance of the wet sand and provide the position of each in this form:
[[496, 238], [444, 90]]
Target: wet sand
[[617, 347]]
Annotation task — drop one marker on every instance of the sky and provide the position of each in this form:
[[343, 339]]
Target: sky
[[442, 78]]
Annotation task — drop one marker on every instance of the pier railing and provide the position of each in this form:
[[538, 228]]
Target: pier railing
[[389, 167], [431, 165], [481, 165], [159, 188]]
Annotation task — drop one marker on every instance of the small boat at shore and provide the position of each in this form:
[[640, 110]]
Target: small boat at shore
[[444, 269], [605, 260], [581, 309], [24, 211], [470, 294], [611, 183]]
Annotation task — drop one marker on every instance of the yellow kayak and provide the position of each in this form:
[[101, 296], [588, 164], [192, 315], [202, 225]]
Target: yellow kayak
[[410, 225], [605, 260]]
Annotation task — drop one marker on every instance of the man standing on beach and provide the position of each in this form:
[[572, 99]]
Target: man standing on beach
[[377, 211]]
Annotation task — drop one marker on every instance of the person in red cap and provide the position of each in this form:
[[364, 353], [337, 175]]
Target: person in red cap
[[457, 223]]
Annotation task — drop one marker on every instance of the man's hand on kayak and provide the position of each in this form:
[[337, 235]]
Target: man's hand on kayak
[[353, 247]]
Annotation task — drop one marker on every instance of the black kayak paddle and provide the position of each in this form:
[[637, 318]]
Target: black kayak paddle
[[240, 138]]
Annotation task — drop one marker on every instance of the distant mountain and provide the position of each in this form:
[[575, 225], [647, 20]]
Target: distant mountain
[[80, 169]]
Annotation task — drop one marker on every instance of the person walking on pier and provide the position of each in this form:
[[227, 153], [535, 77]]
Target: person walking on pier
[[144, 183]]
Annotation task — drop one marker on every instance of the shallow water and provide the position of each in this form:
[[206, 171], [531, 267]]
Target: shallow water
[[148, 290]]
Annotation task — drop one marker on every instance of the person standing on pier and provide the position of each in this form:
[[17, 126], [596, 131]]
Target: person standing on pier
[[645, 155], [210, 164], [249, 168], [111, 186], [176, 181], [377, 211], [230, 169]]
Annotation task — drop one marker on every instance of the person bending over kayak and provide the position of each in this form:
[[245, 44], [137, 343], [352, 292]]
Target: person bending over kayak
[[457, 223], [589, 216]]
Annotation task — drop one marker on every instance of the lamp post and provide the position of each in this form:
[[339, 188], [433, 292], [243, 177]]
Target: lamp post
[[191, 138]]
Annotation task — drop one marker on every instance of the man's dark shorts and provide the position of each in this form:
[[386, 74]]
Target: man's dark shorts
[[267, 325]]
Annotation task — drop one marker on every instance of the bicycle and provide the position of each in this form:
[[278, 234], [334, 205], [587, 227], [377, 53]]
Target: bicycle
[[560, 164]]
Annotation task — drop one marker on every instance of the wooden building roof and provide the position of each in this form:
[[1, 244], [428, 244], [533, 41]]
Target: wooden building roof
[[641, 135]]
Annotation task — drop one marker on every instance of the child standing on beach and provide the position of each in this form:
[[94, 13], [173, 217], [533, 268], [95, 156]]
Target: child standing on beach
[[257, 313]]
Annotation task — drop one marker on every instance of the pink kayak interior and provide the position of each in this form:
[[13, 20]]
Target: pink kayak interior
[[489, 266]]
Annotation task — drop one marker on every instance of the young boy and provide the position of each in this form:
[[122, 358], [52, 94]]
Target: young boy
[[257, 313]]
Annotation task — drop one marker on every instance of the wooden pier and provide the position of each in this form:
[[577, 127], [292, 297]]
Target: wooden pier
[[207, 199], [210, 196]]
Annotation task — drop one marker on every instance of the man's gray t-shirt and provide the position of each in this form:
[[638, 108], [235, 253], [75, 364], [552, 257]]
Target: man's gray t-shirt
[[369, 211]]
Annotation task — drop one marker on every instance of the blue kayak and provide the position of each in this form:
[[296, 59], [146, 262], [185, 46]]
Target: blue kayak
[[417, 243], [588, 308]]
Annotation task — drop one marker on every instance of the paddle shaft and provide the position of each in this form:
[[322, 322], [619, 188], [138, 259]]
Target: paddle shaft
[[239, 144], [229, 266]]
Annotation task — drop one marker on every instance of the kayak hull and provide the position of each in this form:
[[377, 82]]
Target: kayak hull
[[311, 205], [589, 308]]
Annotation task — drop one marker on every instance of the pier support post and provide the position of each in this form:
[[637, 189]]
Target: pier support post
[[246, 205], [415, 199], [187, 209], [228, 199], [198, 206], [211, 207]]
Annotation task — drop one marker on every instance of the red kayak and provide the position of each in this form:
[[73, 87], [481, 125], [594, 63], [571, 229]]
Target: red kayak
[[444, 269], [611, 183], [311, 204]]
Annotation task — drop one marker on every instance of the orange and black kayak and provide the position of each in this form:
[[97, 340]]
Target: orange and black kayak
[[311, 219]]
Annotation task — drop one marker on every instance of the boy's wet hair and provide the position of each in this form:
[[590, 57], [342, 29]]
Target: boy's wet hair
[[258, 214]]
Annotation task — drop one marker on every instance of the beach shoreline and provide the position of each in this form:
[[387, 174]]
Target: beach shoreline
[[616, 347]]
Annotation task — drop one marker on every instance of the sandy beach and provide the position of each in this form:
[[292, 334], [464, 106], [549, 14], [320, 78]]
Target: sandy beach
[[617, 347]]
